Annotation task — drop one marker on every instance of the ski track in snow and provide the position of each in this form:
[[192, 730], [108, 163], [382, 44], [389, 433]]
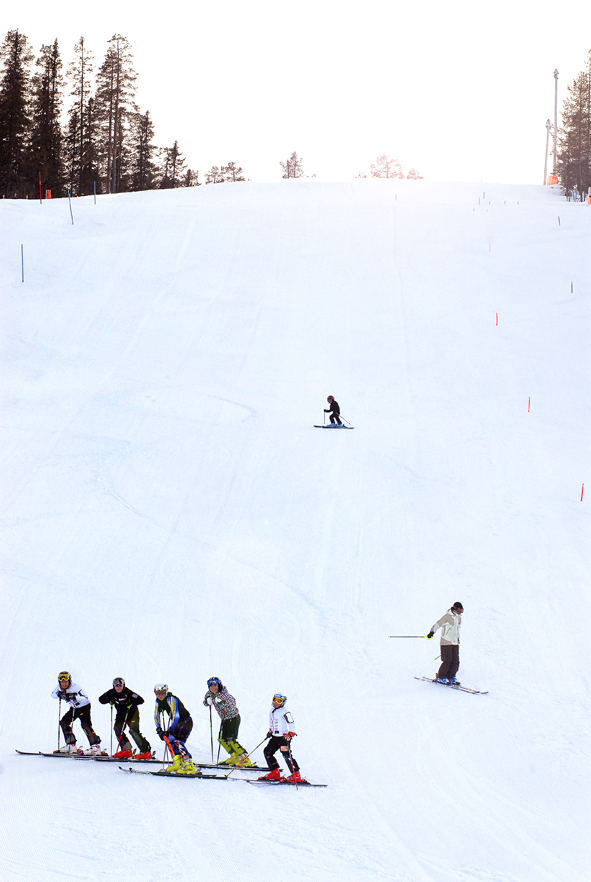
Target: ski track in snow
[[169, 513]]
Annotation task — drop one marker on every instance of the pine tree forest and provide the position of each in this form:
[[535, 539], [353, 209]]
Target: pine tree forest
[[74, 131], [574, 137]]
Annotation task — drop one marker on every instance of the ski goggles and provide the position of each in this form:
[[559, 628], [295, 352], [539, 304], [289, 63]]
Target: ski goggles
[[63, 680]]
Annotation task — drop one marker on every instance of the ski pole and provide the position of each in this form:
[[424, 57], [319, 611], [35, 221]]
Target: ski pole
[[59, 722], [111, 728], [343, 419], [291, 760], [122, 728], [219, 746], [242, 761], [211, 732], [407, 636]]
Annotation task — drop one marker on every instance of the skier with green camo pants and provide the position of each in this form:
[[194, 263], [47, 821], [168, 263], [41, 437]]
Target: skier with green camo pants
[[218, 696]]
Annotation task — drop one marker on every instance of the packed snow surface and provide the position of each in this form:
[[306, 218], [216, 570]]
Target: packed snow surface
[[170, 513]]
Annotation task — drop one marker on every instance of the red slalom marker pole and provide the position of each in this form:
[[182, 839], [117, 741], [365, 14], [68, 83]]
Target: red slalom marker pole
[[582, 488], [497, 322], [528, 403]]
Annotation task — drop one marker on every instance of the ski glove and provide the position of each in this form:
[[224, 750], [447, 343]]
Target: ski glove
[[159, 733], [209, 700], [61, 694], [430, 634], [289, 735]]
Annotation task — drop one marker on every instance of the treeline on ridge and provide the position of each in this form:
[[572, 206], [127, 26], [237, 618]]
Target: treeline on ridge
[[102, 140]]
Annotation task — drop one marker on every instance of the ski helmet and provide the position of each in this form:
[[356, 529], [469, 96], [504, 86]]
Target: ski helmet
[[330, 398], [160, 687], [118, 681], [458, 606], [64, 677], [280, 698], [215, 681]]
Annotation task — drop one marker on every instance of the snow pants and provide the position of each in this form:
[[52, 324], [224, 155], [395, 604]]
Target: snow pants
[[274, 744], [450, 661], [228, 736], [133, 723], [179, 735], [82, 714]]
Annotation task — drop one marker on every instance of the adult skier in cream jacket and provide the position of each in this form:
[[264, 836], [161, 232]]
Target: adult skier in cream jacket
[[450, 625]]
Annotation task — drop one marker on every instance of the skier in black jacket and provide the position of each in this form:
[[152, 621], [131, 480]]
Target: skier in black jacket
[[127, 705], [334, 410]]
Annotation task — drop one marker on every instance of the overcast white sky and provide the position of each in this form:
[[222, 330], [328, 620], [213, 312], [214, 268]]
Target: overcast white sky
[[460, 90]]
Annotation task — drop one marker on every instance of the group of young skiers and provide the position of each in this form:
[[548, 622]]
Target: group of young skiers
[[174, 725]]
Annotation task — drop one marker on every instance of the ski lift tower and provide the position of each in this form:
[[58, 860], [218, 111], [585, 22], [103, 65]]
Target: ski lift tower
[[555, 121]]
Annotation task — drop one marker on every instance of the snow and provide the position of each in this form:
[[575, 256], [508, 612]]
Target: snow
[[170, 513]]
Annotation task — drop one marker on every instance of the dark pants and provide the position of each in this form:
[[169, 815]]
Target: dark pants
[[450, 661], [335, 418], [82, 714], [229, 729], [133, 723], [179, 735], [273, 745]]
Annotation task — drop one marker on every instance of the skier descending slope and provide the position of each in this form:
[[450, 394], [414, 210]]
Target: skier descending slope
[[176, 731], [450, 624], [225, 704], [334, 410], [281, 731], [79, 710], [127, 704]]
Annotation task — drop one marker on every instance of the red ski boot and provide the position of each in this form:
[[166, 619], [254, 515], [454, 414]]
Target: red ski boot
[[144, 756], [122, 754], [274, 775], [295, 778]]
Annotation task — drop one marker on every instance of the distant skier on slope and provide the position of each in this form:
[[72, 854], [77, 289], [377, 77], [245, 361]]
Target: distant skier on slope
[[79, 703], [281, 731], [334, 410], [127, 705], [177, 730], [450, 624], [218, 696]]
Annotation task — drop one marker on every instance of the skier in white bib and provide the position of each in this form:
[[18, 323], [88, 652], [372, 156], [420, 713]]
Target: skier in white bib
[[281, 731]]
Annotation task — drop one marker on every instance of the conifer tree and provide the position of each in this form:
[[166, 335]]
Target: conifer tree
[[174, 168], [81, 129], [231, 173], [574, 147], [386, 167], [16, 56], [292, 167], [214, 175], [142, 166], [45, 148], [115, 108]]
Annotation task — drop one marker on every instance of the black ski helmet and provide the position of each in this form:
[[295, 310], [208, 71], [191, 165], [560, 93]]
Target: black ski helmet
[[118, 681], [458, 606]]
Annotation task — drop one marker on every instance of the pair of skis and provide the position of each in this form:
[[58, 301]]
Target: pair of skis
[[456, 686], [165, 774]]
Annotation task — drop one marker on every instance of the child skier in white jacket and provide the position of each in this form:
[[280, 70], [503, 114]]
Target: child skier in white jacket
[[281, 731]]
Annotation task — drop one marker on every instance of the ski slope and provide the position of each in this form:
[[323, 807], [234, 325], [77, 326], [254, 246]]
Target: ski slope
[[170, 513]]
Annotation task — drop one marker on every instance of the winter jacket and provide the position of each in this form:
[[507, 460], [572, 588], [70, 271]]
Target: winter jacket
[[334, 408], [450, 624], [73, 695], [124, 699], [280, 721], [175, 709], [224, 703]]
